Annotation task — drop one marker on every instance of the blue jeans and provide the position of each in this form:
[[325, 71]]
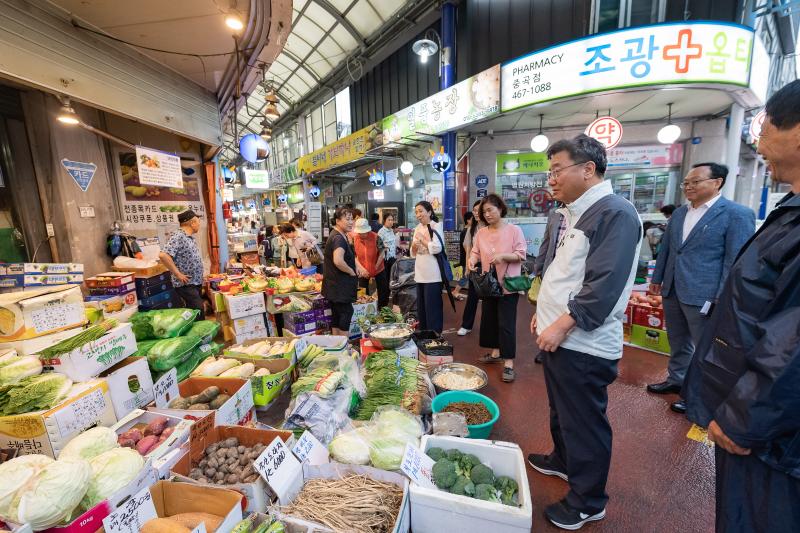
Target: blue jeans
[[429, 306]]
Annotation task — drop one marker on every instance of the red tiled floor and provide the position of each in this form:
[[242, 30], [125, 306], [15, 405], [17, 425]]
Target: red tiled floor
[[659, 479]]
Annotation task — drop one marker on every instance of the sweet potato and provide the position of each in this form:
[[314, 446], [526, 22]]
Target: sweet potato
[[146, 444], [133, 434], [126, 443], [156, 426], [192, 520]]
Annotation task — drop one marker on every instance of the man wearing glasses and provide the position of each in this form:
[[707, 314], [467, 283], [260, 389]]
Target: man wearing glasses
[[698, 248], [579, 312]]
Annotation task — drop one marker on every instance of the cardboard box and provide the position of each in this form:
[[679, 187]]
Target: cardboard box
[[337, 470], [267, 388], [650, 339], [113, 304], [43, 280], [110, 279], [131, 385], [110, 291], [246, 337], [243, 305], [140, 418], [649, 317], [47, 432], [237, 410], [144, 283], [143, 272], [218, 302], [92, 358], [29, 314], [53, 268], [171, 498], [470, 515], [249, 324], [301, 328], [257, 495], [12, 281], [161, 298], [152, 290], [37, 344]]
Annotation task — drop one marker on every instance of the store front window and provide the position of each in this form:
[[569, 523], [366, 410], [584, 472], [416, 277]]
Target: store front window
[[522, 183], [647, 189]]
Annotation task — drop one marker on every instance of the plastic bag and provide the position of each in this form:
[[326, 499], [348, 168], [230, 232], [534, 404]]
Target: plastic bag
[[450, 425], [168, 353], [323, 417], [143, 348], [162, 323], [206, 330]]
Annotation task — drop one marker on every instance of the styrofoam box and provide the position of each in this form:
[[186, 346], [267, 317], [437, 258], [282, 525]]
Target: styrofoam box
[[431, 509], [130, 384], [179, 435]]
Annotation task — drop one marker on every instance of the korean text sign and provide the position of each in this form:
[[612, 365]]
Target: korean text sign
[[680, 53]]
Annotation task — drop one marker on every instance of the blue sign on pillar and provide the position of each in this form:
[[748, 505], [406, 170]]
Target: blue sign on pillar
[[82, 173], [482, 181]]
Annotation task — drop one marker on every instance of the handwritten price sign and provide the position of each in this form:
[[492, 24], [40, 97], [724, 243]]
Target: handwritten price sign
[[166, 389], [132, 514], [309, 449], [280, 469], [417, 466]]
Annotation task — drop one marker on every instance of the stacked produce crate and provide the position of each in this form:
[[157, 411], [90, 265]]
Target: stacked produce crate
[[22, 276], [243, 318], [113, 295], [156, 292]]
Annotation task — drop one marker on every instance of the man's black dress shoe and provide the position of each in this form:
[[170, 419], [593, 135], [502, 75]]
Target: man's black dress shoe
[[665, 387], [678, 407]]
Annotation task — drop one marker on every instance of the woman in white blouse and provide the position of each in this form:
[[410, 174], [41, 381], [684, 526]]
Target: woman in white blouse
[[425, 244]]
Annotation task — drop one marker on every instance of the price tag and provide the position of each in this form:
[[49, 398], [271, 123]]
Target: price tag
[[280, 469], [200, 428], [299, 345], [418, 467], [309, 449], [132, 514], [166, 389]]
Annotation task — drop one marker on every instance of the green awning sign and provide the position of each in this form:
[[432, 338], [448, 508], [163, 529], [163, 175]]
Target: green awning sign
[[522, 163]]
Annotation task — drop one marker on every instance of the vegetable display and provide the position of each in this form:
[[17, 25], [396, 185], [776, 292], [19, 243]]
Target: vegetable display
[[322, 381], [15, 474], [41, 391], [162, 323], [209, 398], [393, 380], [168, 353], [76, 341], [111, 471], [464, 475], [311, 352], [182, 523], [15, 369], [386, 315], [264, 349], [52, 495], [227, 463], [270, 525], [91, 443], [381, 443], [474, 412], [205, 330], [352, 503], [147, 439]]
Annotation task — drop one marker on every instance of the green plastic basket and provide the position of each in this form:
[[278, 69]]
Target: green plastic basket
[[476, 431]]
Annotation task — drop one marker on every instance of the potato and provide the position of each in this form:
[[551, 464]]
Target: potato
[[179, 403], [219, 476], [202, 480], [195, 398], [232, 452], [219, 401], [209, 394], [224, 469], [203, 463], [231, 461], [192, 520], [243, 460], [163, 525], [247, 471], [231, 442], [232, 479], [199, 407], [211, 448], [241, 449], [251, 479], [195, 473], [213, 463], [210, 472]]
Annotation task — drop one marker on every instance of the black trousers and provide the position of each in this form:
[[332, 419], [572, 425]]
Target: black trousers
[[752, 497], [470, 308], [191, 298], [429, 306], [382, 285], [499, 324], [576, 389]]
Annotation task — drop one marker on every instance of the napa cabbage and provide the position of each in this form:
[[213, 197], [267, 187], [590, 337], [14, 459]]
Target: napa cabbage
[[91, 443], [111, 471], [54, 493]]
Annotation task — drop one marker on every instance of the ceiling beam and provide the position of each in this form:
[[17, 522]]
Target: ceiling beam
[[332, 11]]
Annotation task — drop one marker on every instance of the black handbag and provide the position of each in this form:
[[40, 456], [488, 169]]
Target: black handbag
[[486, 284]]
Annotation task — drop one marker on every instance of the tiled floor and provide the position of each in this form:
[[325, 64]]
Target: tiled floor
[[659, 480]]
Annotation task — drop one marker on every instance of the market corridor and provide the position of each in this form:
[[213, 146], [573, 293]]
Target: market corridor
[[659, 481]]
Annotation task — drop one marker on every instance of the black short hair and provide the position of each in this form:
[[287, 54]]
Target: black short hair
[[385, 216], [667, 210], [286, 227], [341, 212], [783, 107], [717, 171], [496, 201], [468, 216], [429, 208], [374, 216], [582, 149]]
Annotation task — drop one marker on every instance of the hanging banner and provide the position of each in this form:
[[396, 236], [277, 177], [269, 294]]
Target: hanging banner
[[145, 206], [471, 100], [522, 163], [82, 173], [675, 53], [256, 179], [653, 155], [158, 168], [346, 149]]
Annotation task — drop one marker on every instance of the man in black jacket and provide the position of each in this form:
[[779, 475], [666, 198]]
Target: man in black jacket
[[744, 382]]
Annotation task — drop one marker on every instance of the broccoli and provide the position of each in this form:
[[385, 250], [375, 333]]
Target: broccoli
[[482, 474], [435, 453], [444, 473], [466, 463], [463, 487], [453, 455], [507, 487], [484, 491]]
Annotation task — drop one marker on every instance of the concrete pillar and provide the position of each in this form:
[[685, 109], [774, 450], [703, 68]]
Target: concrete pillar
[[732, 147]]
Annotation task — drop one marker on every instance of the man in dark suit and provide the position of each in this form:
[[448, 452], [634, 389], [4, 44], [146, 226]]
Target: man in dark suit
[[698, 248]]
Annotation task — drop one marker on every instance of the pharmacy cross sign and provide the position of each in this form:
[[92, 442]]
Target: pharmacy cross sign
[[683, 51]]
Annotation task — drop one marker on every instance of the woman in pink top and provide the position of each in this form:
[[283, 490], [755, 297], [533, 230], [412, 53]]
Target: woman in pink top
[[503, 245]]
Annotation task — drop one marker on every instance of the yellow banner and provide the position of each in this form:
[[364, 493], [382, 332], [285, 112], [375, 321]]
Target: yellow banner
[[342, 151]]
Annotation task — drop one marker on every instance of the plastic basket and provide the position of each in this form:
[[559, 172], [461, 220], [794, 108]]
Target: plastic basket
[[310, 271], [476, 431]]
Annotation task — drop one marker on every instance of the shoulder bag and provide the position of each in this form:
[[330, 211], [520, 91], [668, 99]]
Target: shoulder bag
[[444, 268], [486, 284], [518, 283]]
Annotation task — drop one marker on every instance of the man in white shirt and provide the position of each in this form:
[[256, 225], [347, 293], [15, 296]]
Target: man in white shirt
[[698, 248]]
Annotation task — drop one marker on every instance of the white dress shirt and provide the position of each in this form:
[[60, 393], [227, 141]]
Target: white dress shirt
[[694, 215]]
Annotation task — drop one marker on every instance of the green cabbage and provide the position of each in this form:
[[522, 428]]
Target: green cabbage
[[398, 423], [91, 443], [387, 453], [111, 471], [350, 448], [15, 474], [54, 493], [16, 371]]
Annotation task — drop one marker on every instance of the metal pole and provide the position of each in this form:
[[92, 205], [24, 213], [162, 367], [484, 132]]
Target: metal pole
[[733, 145], [447, 79]]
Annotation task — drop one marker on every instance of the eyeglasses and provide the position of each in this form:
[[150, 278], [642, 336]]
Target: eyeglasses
[[553, 174], [693, 183]]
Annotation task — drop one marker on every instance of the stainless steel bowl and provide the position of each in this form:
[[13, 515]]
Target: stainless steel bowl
[[462, 370], [392, 342]]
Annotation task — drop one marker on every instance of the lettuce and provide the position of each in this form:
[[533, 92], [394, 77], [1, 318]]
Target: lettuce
[[111, 471], [54, 493], [15, 474], [91, 443], [350, 448], [387, 453]]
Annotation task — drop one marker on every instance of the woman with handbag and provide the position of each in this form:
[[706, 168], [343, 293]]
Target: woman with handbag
[[426, 244], [304, 245], [500, 247]]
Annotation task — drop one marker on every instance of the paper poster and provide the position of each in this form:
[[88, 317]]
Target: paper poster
[[158, 168]]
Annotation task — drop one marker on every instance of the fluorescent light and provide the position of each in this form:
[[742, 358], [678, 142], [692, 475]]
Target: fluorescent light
[[234, 22], [410, 182]]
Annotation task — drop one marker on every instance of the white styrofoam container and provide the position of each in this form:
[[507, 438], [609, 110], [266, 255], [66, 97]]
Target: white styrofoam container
[[433, 510]]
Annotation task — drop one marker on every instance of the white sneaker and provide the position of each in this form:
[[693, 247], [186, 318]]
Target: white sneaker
[[462, 332]]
